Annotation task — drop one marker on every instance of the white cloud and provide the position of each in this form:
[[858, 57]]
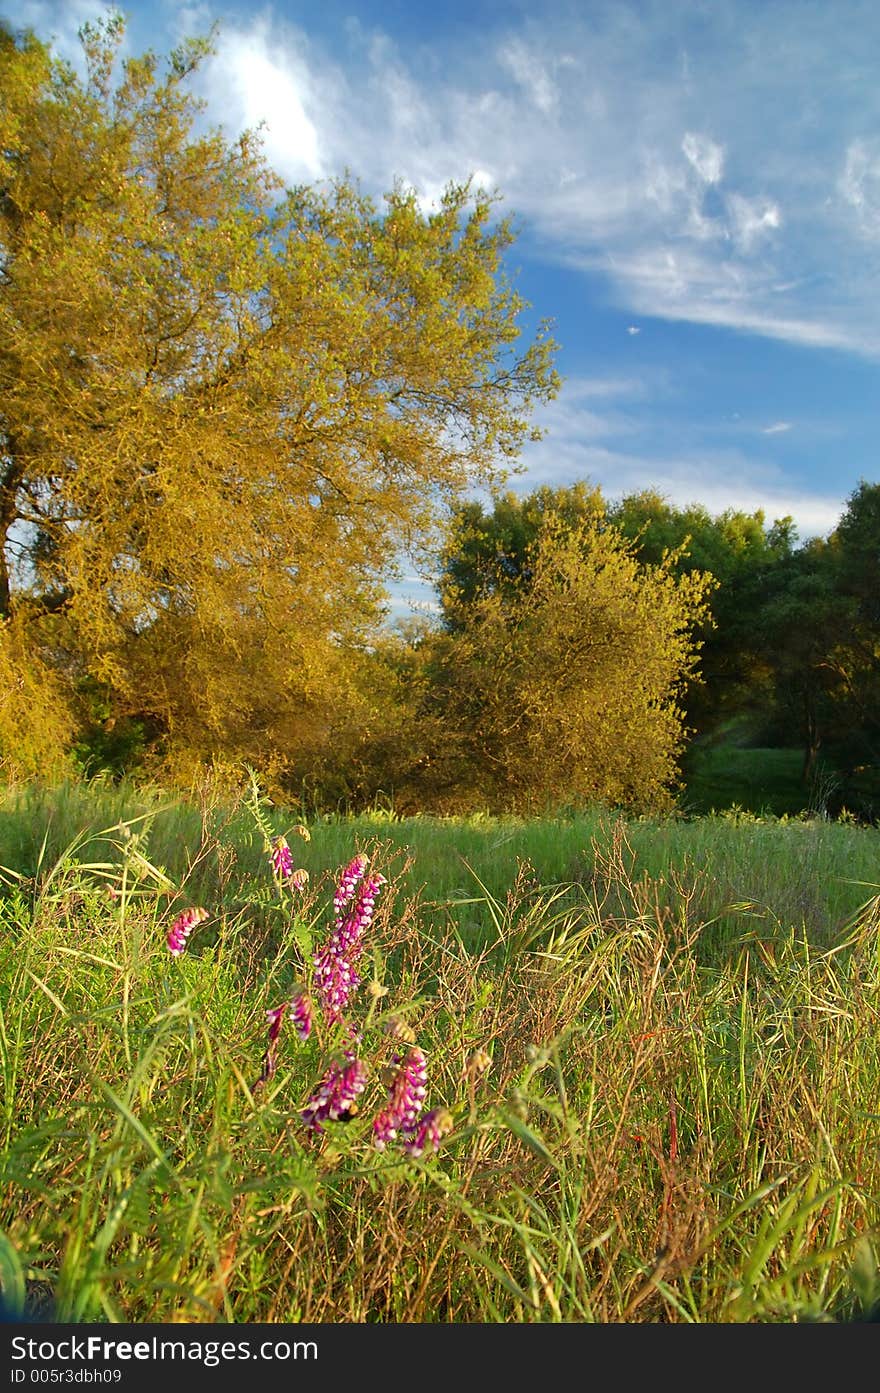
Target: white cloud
[[662, 184], [603, 130], [603, 152], [717, 479], [263, 81], [60, 23], [778, 428], [531, 75], [633, 329], [751, 219], [608, 450], [704, 156], [686, 284], [860, 184]]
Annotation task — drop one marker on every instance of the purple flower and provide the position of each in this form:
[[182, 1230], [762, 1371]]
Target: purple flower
[[300, 1009], [336, 981], [430, 1131], [281, 858], [406, 1095], [350, 876], [298, 879], [336, 1096], [270, 1058], [275, 1017], [182, 928], [301, 1014], [336, 977]]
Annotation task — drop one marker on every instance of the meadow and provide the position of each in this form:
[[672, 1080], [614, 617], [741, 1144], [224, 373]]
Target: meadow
[[654, 1041]]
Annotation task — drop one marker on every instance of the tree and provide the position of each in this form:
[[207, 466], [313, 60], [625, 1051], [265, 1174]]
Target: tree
[[224, 407], [797, 631], [856, 541], [854, 548], [487, 552], [562, 684], [740, 551]]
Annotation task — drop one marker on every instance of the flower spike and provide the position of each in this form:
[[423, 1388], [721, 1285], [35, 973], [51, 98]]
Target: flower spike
[[182, 928]]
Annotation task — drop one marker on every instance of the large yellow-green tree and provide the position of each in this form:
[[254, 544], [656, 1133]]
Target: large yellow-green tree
[[224, 406]]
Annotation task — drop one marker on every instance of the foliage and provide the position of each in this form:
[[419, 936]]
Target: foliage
[[37, 721], [788, 637], [815, 631], [796, 638], [489, 550], [855, 546], [739, 550], [560, 677], [225, 406], [485, 553]]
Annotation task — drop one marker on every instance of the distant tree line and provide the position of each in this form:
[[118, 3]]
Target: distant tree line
[[793, 651], [582, 645]]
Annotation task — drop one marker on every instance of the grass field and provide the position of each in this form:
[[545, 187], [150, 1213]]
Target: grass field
[[724, 774], [657, 1043]]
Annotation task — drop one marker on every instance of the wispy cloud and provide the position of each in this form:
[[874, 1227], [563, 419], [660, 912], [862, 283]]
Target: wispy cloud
[[58, 21], [860, 184], [703, 155], [751, 219], [672, 153], [531, 75], [697, 182], [718, 480], [778, 428], [263, 75]]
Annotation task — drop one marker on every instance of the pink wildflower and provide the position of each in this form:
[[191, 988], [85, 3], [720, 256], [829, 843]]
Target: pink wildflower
[[301, 1014], [350, 876], [281, 858], [275, 1017], [335, 964], [429, 1132], [336, 1096], [406, 1095], [182, 928]]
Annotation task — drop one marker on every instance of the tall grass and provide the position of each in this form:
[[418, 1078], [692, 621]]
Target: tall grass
[[679, 1121], [744, 872]]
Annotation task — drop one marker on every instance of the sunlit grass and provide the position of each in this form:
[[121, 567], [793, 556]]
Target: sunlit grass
[[679, 1121], [743, 872]]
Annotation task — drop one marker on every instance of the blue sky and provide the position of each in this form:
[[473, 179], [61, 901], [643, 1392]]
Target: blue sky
[[696, 188]]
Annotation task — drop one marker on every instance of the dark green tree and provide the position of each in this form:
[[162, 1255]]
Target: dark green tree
[[488, 552], [740, 550]]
